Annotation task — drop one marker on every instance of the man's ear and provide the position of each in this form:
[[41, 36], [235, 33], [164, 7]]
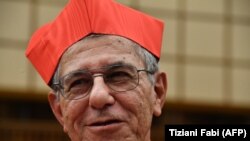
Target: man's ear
[[160, 92], [55, 106]]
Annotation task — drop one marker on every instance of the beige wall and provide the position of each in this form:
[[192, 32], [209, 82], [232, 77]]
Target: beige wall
[[206, 50]]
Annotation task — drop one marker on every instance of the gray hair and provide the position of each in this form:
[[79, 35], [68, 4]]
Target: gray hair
[[150, 62]]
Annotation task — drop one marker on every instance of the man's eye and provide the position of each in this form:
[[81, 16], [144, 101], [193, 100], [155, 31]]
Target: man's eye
[[119, 76], [79, 83]]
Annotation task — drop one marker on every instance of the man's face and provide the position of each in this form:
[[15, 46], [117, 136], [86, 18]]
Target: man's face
[[105, 115]]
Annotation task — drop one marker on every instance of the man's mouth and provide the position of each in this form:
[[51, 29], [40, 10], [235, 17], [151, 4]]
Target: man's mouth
[[105, 125], [105, 122]]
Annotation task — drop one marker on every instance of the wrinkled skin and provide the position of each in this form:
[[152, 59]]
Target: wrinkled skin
[[105, 115]]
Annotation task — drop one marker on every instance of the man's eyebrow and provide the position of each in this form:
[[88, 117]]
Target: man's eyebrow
[[118, 63]]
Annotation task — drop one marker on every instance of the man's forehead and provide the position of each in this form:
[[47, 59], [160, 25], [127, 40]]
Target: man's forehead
[[95, 52], [97, 41]]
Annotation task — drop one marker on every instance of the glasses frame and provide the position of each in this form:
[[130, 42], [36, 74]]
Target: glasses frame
[[59, 84]]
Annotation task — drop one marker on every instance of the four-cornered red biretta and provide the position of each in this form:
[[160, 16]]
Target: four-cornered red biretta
[[82, 17]]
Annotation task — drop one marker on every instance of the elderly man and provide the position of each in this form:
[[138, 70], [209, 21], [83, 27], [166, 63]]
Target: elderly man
[[101, 60]]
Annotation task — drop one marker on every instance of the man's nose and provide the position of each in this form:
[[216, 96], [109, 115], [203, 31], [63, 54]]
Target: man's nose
[[100, 96]]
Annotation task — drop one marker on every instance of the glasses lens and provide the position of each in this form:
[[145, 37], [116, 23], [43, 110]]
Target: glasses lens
[[121, 78], [77, 84]]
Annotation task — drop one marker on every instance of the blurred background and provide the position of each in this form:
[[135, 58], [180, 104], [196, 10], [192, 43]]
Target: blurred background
[[206, 54]]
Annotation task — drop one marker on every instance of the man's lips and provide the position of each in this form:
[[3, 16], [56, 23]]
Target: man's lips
[[104, 122], [105, 125]]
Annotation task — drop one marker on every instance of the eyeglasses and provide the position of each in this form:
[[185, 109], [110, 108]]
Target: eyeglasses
[[119, 78]]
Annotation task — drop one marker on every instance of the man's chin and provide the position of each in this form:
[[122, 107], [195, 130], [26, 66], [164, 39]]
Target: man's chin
[[109, 133]]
